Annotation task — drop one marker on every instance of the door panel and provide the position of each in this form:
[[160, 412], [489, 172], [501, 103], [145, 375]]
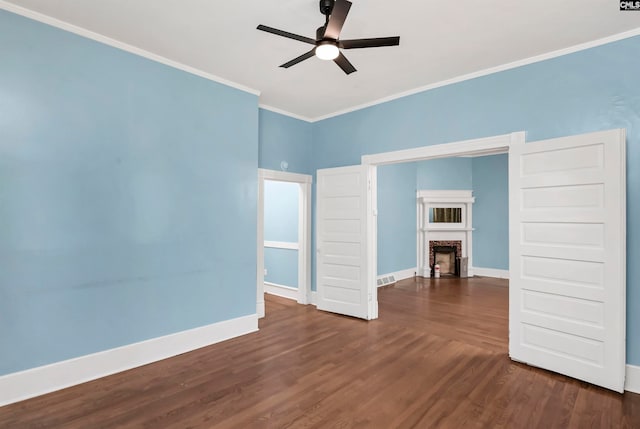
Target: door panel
[[567, 256], [341, 241]]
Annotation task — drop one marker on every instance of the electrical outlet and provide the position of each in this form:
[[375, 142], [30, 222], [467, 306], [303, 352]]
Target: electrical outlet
[[265, 271]]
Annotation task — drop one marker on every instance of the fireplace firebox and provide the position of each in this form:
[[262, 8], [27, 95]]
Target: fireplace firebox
[[447, 255]]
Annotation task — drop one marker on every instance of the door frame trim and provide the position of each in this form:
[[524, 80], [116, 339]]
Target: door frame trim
[[304, 234], [474, 147]]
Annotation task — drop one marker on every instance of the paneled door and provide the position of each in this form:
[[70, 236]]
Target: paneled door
[[341, 248], [567, 256]]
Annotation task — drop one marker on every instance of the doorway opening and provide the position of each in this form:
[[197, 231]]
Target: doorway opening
[[283, 237], [471, 148], [557, 194], [563, 194], [426, 218]]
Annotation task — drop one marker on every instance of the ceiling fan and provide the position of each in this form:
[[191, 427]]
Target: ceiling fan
[[327, 43]]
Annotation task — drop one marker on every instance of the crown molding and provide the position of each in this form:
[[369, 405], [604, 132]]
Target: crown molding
[[491, 70], [28, 13], [285, 113], [54, 22]]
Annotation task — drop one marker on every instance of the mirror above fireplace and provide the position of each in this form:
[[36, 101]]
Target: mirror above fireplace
[[445, 214]]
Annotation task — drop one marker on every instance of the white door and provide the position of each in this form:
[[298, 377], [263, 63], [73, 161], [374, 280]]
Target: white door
[[567, 256], [342, 281]]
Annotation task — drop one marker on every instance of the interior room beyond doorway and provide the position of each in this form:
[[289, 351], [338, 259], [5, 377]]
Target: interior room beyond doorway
[[411, 196], [283, 236]]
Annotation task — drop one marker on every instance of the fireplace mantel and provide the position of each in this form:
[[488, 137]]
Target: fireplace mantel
[[458, 231]]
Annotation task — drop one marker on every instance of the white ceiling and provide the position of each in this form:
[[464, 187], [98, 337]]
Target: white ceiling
[[439, 40]]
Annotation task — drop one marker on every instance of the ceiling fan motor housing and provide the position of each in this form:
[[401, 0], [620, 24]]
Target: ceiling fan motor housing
[[326, 6]]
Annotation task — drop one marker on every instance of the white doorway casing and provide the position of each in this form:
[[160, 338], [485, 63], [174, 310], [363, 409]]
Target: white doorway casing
[[577, 307], [475, 147], [304, 234]]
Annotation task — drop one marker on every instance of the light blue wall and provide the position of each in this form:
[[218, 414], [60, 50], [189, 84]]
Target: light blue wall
[[283, 138], [281, 211], [491, 211], [445, 174], [396, 217], [591, 90], [127, 197], [281, 224], [282, 266], [112, 169]]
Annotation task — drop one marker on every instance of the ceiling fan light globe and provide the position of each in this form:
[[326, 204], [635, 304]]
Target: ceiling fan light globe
[[327, 51]]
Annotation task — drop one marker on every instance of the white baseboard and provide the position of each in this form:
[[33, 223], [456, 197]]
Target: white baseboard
[[401, 275], [49, 378], [406, 274], [260, 311], [281, 290], [314, 298], [632, 380], [490, 272]]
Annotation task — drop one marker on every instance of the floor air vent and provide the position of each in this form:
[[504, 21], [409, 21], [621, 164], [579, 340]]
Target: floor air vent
[[386, 280]]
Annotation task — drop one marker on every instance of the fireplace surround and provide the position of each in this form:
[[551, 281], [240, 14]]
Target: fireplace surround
[[457, 233]]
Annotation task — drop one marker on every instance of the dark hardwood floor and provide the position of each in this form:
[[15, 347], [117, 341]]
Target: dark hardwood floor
[[436, 357]]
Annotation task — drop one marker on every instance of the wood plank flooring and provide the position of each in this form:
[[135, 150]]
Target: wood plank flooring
[[436, 358]]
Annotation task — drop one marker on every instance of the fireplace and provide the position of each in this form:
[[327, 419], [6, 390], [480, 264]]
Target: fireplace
[[444, 218], [446, 254]]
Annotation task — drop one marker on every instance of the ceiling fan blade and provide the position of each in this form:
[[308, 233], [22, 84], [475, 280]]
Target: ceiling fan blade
[[344, 64], [299, 59], [286, 34], [369, 43], [337, 18]]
